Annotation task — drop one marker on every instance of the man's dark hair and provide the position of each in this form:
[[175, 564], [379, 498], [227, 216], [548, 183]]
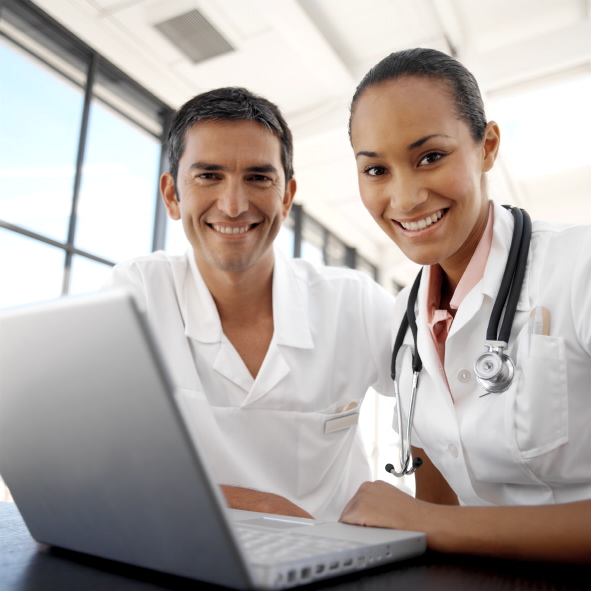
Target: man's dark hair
[[436, 65], [228, 104]]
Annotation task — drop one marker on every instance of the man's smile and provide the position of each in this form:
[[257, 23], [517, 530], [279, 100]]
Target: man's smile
[[232, 228]]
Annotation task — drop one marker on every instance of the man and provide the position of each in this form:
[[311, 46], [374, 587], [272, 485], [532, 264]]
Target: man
[[271, 357]]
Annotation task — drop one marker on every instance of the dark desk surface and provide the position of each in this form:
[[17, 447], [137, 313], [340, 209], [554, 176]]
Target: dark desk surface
[[26, 565]]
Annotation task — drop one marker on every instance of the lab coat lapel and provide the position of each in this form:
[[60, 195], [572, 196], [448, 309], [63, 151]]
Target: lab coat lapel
[[273, 370], [173, 323], [203, 324], [291, 328], [429, 354]]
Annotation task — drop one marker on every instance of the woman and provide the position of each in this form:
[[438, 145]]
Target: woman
[[518, 462]]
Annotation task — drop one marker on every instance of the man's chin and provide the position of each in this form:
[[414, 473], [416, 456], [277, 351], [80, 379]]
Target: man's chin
[[233, 263]]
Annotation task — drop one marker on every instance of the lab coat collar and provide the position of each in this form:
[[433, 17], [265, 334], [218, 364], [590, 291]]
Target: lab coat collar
[[499, 251], [290, 307]]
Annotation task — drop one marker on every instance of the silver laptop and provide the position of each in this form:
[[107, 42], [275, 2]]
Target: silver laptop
[[98, 458]]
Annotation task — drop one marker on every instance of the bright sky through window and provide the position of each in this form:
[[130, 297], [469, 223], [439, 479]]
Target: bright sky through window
[[546, 130]]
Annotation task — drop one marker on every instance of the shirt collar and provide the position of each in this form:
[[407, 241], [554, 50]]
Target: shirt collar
[[475, 269], [290, 306], [472, 275]]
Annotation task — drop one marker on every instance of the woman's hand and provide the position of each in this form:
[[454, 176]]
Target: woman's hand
[[380, 504], [552, 533]]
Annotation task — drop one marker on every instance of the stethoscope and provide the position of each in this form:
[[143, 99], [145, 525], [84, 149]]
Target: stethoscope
[[494, 369]]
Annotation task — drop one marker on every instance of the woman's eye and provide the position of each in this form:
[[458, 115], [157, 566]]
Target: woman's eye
[[431, 158], [375, 170]]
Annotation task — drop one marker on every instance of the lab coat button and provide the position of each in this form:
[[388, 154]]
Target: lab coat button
[[453, 450], [464, 375]]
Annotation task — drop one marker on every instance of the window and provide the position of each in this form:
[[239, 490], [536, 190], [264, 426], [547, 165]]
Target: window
[[538, 144], [80, 157], [38, 143]]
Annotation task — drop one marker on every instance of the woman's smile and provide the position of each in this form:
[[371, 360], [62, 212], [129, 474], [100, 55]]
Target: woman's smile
[[422, 223]]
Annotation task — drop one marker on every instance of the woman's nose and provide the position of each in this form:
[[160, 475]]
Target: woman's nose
[[407, 193]]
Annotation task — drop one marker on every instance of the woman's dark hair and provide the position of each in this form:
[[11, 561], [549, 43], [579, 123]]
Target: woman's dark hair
[[223, 104], [436, 65]]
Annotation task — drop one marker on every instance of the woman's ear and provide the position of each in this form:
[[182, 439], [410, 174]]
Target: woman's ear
[[490, 146]]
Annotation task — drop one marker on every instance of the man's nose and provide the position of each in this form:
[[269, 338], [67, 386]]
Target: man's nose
[[233, 200]]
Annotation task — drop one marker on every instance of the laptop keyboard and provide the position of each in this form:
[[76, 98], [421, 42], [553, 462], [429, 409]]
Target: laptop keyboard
[[260, 543]]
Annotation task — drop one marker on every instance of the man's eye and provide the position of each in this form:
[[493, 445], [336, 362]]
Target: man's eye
[[260, 178], [374, 170], [207, 176], [431, 158]]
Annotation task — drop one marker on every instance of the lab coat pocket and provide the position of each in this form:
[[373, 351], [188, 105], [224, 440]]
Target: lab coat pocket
[[541, 400], [326, 445]]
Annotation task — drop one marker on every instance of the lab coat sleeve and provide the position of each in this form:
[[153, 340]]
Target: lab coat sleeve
[[581, 293], [378, 314]]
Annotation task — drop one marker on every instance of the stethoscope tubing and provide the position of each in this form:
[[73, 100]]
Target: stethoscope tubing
[[506, 300]]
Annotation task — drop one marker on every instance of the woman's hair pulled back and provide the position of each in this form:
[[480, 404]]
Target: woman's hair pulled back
[[436, 65]]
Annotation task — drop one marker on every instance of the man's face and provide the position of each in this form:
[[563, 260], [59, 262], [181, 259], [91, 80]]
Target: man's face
[[232, 193]]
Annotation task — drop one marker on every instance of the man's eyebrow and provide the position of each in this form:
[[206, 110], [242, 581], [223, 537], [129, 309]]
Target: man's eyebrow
[[207, 166], [210, 167], [423, 140], [263, 168]]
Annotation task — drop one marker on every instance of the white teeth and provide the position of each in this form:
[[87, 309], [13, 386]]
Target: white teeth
[[422, 224], [230, 229]]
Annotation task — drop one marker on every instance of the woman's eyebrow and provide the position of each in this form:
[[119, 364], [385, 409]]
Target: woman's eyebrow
[[367, 154], [411, 147], [421, 141]]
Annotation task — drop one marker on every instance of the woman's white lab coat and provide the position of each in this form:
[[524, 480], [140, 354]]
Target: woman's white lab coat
[[532, 443]]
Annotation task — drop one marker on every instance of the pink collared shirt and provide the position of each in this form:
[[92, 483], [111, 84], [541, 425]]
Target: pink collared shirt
[[440, 321]]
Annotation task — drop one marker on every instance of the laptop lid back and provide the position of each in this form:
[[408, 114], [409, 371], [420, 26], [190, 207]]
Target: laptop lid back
[[93, 448]]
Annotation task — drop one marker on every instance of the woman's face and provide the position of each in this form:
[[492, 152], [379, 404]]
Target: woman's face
[[421, 174]]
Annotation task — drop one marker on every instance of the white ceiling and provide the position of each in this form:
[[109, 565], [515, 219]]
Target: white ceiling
[[308, 56]]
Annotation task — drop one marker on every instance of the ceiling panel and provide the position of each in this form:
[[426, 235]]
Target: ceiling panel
[[309, 55]]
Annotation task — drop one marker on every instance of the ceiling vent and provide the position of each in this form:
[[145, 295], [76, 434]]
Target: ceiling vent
[[193, 35]]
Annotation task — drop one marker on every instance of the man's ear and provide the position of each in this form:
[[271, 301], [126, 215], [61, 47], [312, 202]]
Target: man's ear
[[168, 193], [290, 191], [492, 141]]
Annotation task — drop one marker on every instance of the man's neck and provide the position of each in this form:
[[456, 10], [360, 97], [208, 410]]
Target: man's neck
[[247, 293], [244, 301]]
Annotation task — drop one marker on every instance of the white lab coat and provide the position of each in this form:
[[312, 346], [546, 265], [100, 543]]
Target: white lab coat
[[332, 341], [532, 443]]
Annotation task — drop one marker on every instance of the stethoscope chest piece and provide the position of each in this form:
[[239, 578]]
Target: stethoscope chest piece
[[494, 370]]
